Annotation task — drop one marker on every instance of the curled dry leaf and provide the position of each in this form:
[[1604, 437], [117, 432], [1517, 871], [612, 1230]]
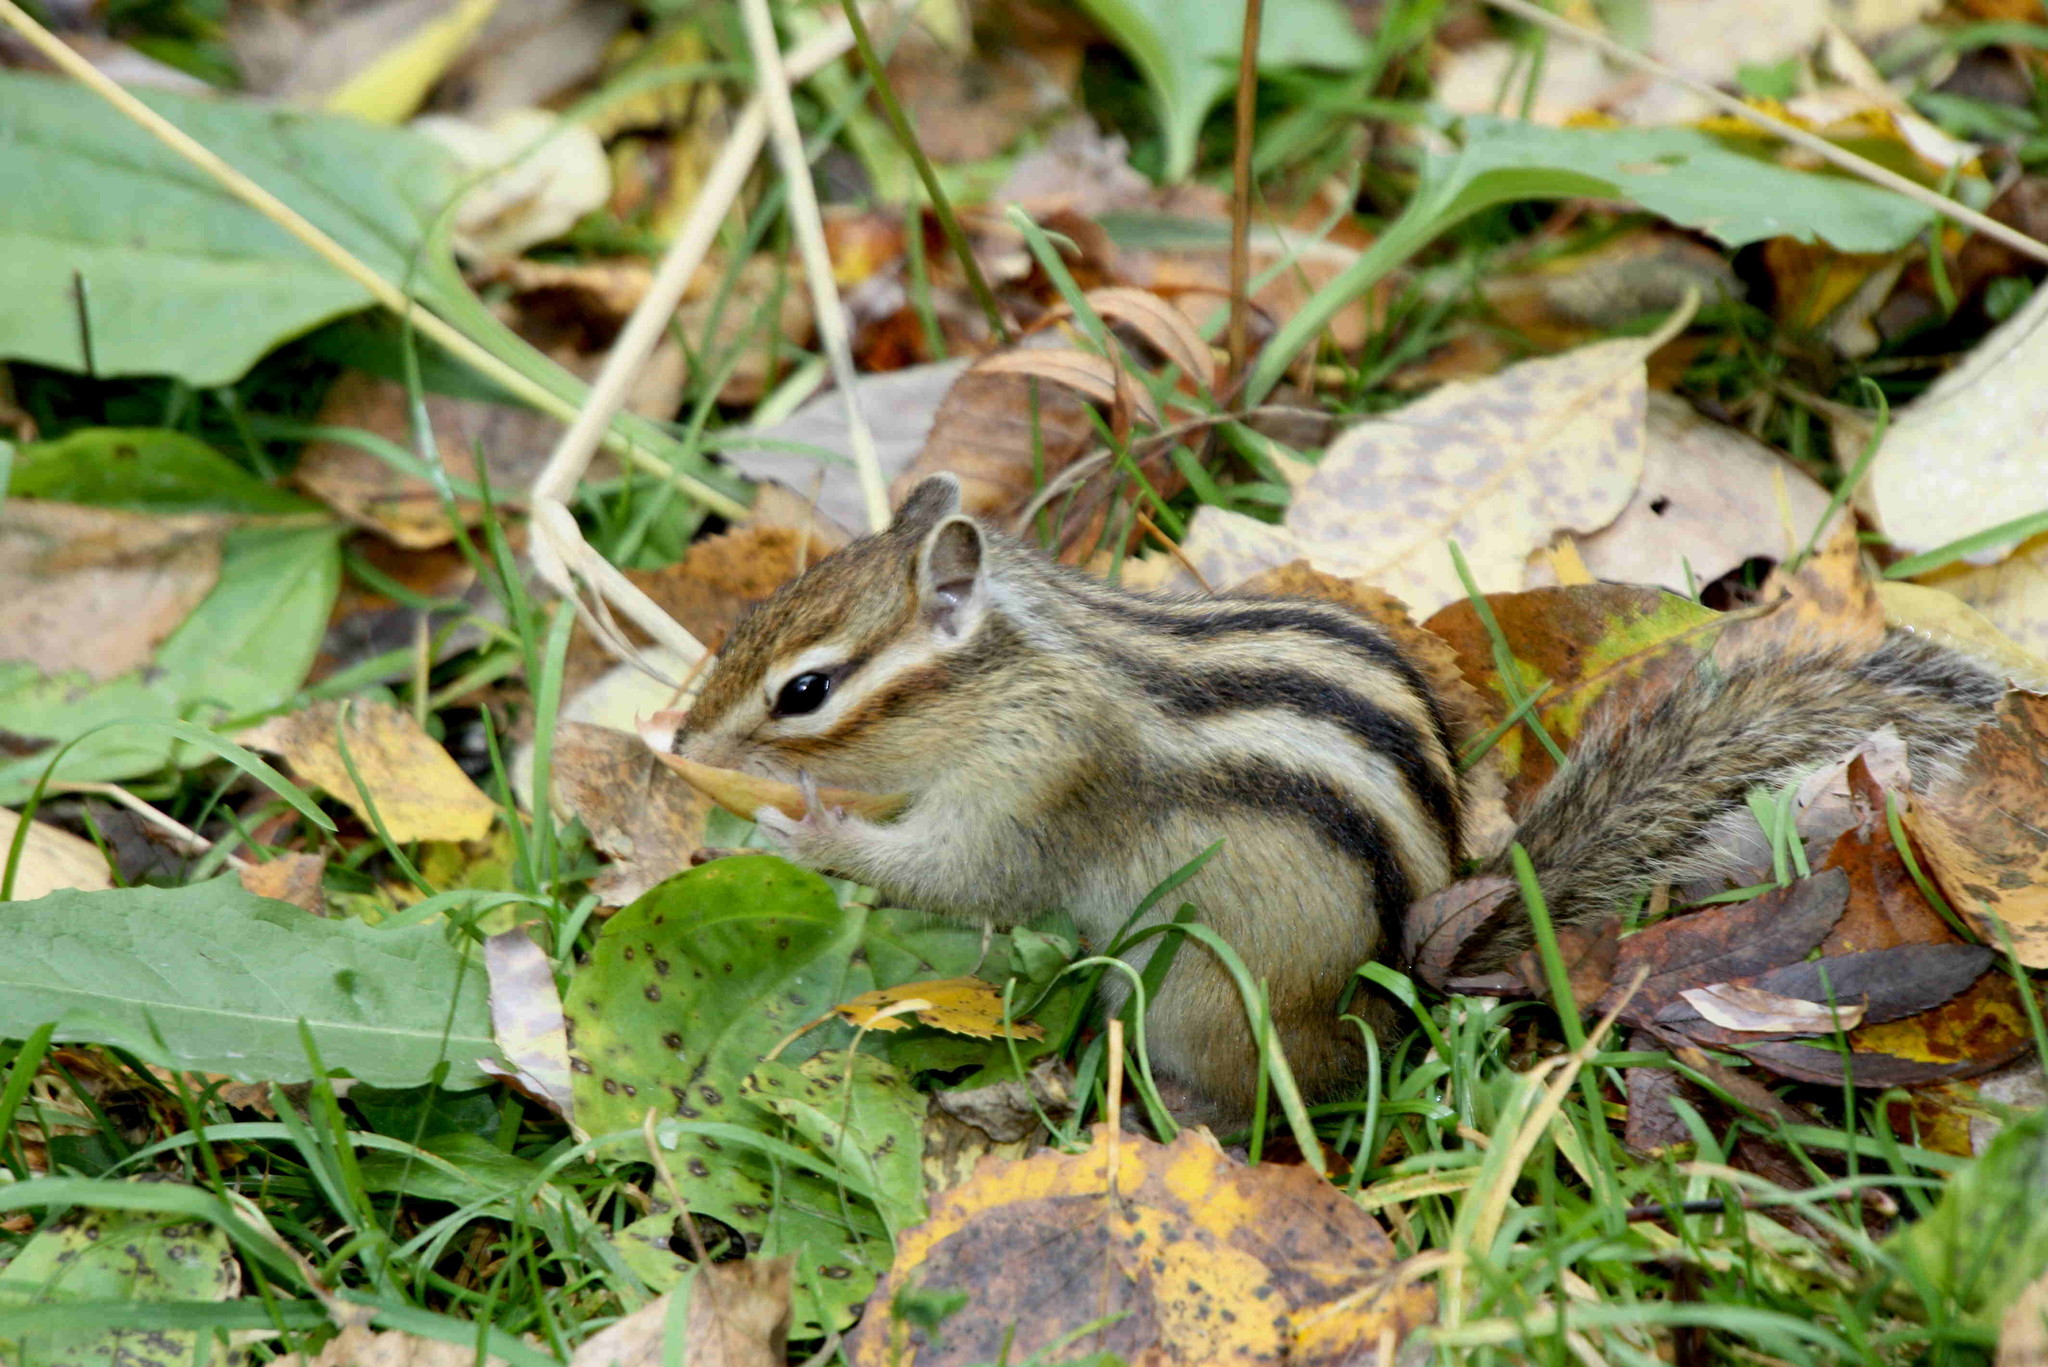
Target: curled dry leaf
[[1172, 1244], [1094, 377], [407, 779], [526, 1020], [1985, 834], [744, 794], [965, 1006], [1163, 326], [1733, 1006], [542, 173]]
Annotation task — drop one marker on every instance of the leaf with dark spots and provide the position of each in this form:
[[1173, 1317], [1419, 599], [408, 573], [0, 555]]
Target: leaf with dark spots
[[1724, 944]]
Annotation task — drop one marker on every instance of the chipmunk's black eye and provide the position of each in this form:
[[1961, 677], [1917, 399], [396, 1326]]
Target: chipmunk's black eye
[[804, 693]]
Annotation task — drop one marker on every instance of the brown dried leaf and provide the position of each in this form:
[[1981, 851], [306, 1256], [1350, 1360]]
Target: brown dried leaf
[[526, 1020], [744, 794], [1590, 953], [994, 431], [1162, 325], [1720, 944], [964, 1006], [1829, 600], [1174, 1251], [52, 860], [418, 791], [357, 1345], [1499, 465], [738, 1317], [289, 877], [645, 819], [1438, 926], [1094, 377], [1711, 498], [1985, 834], [98, 589]]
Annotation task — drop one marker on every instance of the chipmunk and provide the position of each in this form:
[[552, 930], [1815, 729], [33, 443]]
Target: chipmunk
[[1068, 744]]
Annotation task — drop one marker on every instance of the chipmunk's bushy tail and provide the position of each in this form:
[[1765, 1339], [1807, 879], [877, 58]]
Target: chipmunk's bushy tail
[[1640, 800]]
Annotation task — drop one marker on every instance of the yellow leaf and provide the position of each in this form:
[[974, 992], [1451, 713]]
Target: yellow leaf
[[390, 88], [414, 788], [965, 1006]]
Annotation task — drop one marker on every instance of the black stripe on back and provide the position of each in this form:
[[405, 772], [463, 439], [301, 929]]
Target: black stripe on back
[[1203, 693], [1348, 828], [1225, 616]]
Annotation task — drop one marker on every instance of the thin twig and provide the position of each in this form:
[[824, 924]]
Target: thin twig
[[560, 554], [773, 87], [949, 222], [193, 842], [456, 342], [1241, 198], [1792, 133]]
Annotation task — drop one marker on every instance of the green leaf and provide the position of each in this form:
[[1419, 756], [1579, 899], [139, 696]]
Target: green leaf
[[146, 469], [685, 991], [873, 1124], [118, 1255], [245, 649], [180, 277], [1986, 1241], [1189, 53], [224, 978]]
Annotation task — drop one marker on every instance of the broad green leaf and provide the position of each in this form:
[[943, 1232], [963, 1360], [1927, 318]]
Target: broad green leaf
[[684, 993], [245, 649], [147, 469], [872, 1124], [1692, 178], [1986, 1241], [224, 978], [1189, 53], [180, 277], [117, 1255]]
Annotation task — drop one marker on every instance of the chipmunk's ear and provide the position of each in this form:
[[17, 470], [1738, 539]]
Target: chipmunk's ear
[[952, 577], [932, 500]]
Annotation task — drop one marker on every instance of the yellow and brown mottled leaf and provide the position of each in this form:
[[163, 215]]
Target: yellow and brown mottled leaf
[[1192, 1256], [410, 783], [1985, 835], [964, 1006]]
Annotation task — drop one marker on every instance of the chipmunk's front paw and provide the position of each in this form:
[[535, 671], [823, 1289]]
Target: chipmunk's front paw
[[815, 839]]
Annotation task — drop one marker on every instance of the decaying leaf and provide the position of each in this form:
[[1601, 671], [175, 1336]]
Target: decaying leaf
[[1735, 1007], [1970, 452], [1172, 1249], [542, 172], [965, 1006], [744, 794], [96, 590], [1828, 600], [737, 1315], [357, 1345], [1985, 835], [2012, 594], [1947, 619], [643, 817], [526, 1019], [1500, 466], [289, 877], [1711, 498], [416, 790], [51, 859]]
